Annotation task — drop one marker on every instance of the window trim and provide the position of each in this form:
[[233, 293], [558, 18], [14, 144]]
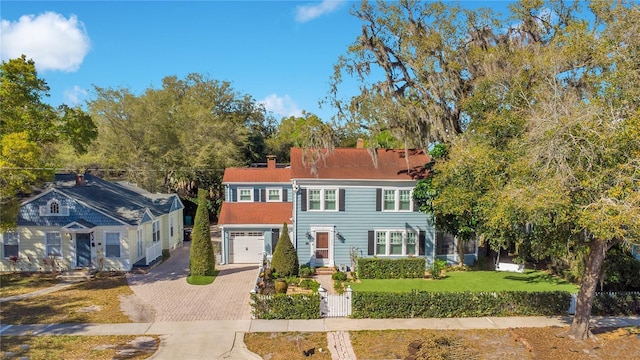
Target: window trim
[[323, 199], [279, 194], [106, 244], [171, 226], [250, 194], [15, 236], [396, 205], [62, 210], [46, 243], [387, 233]]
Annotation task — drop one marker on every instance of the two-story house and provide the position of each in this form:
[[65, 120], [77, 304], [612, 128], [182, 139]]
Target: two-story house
[[258, 201], [352, 203], [82, 221], [346, 204]]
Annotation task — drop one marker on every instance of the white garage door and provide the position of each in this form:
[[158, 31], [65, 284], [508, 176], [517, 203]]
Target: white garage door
[[246, 247]]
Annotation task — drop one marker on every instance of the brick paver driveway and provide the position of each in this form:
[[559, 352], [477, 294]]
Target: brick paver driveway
[[165, 288]]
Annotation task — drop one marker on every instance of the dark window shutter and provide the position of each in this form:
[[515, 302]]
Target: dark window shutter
[[285, 195], [421, 240], [378, 199], [341, 200], [275, 235], [234, 195], [372, 242], [263, 195], [414, 205], [256, 194], [303, 200]]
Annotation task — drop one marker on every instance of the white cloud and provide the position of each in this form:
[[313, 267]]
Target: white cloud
[[306, 13], [51, 40], [283, 106], [75, 95]]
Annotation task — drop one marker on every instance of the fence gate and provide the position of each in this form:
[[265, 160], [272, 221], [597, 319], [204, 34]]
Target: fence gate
[[335, 305]]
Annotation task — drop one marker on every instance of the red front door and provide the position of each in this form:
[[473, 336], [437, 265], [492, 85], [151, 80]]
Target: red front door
[[322, 245]]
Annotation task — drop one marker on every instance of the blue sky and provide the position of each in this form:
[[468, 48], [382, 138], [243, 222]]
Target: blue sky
[[280, 52]]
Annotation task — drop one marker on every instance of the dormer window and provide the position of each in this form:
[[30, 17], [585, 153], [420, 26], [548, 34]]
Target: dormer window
[[54, 208]]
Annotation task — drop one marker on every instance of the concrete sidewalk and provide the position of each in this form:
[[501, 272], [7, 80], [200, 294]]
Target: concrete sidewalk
[[223, 339]]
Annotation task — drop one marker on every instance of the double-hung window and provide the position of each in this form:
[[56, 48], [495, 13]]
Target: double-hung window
[[155, 228], [53, 244], [395, 242], [112, 244], [274, 194], [10, 244], [322, 199], [396, 200], [245, 194]]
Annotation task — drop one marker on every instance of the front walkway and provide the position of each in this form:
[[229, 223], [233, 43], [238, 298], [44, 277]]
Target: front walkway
[[165, 288]]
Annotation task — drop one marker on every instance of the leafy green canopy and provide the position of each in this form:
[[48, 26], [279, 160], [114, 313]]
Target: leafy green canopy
[[33, 134]]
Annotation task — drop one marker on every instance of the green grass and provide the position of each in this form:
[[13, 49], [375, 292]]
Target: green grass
[[202, 280], [476, 281]]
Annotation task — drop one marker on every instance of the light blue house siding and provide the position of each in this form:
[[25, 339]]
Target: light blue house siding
[[355, 221]]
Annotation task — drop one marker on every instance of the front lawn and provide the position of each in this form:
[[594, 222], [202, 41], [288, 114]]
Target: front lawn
[[476, 281]]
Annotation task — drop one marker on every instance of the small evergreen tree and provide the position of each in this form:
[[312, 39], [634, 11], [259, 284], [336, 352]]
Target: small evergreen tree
[[285, 258], [202, 258]]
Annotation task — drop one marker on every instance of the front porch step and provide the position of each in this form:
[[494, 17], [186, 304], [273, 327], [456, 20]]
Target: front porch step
[[75, 276], [326, 270]]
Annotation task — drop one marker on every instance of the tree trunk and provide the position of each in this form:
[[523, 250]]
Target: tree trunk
[[580, 326], [460, 249]]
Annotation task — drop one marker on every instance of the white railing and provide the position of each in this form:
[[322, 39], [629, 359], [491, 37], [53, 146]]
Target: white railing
[[153, 252], [335, 305]]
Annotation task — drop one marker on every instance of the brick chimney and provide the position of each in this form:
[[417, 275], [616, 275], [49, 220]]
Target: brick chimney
[[271, 161], [79, 180], [360, 144]]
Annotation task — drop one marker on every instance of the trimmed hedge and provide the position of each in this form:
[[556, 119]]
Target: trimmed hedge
[[422, 304], [376, 268], [621, 303], [281, 306]]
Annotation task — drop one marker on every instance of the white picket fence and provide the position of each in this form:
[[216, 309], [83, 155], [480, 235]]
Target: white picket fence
[[338, 305]]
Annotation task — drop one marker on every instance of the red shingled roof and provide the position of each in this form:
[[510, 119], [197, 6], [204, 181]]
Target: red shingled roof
[[257, 175], [255, 213], [358, 164]]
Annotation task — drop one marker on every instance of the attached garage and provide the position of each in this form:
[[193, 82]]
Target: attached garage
[[246, 247]]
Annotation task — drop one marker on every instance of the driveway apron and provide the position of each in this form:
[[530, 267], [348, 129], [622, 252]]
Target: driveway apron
[[165, 288]]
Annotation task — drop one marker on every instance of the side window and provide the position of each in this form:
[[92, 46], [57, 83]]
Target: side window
[[53, 244], [10, 244]]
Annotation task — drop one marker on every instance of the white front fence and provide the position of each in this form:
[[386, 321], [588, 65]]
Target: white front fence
[[335, 305], [153, 252]]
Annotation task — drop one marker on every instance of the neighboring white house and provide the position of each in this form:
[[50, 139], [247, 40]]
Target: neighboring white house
[[82, 221]]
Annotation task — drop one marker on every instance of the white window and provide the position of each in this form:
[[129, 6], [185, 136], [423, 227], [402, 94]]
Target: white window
[[155, 230], [245, 194], [274, 194], [10, 244], [396, 242], [139, 238], [54, 208], [396, 200], [112, 244], [322, 199], [53, 243]]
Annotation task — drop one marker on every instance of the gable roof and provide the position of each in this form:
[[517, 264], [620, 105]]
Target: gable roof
[[358, 164], [125, 203], [256, 175], [255, 213]]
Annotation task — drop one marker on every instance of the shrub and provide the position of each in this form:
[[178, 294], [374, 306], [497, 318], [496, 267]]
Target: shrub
[[622, 303], [340, 276], [202, 259], [374, 268], [423, 304], [437, 268], [306, 271], [281, 306], [310, 284], [285, 258]]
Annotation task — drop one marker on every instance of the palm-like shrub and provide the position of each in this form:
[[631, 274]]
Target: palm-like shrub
[[202, 258], [285, 259]]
